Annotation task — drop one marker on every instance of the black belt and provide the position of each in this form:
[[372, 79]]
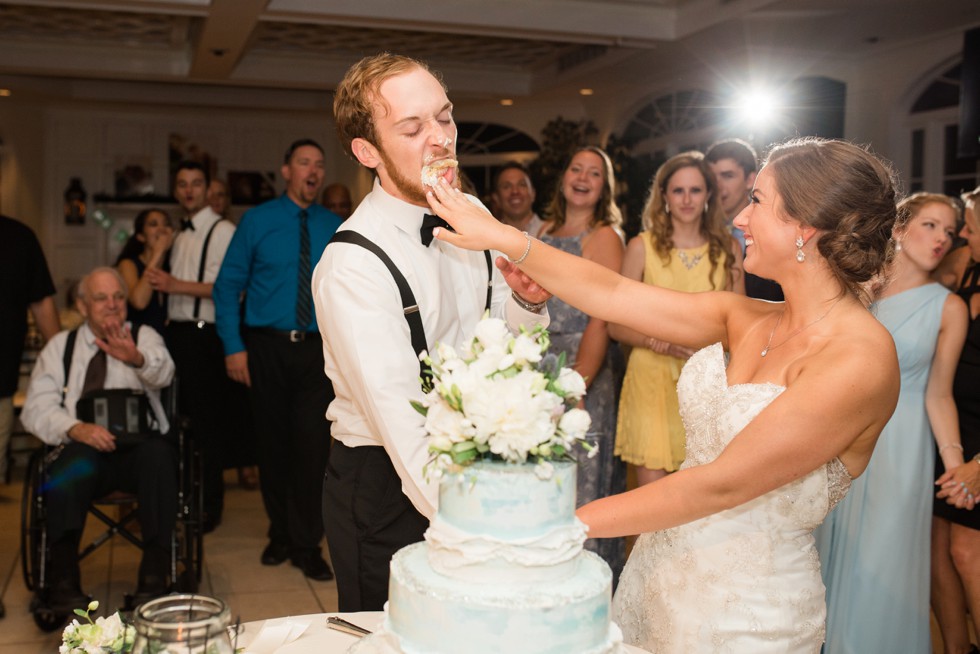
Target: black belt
[[196, 324], [294, 335]]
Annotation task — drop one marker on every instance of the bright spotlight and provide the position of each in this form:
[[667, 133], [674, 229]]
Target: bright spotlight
[[758, 107]]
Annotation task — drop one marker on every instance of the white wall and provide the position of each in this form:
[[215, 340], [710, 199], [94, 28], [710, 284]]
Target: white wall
[[90, 142]]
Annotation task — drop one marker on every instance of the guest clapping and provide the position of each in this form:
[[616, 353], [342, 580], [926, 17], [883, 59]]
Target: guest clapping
[[147, 249]]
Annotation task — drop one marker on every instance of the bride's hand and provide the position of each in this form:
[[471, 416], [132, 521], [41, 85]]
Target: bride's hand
[[475, 228]]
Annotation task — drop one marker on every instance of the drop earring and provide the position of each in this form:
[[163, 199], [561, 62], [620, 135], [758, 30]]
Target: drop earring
[[800, 255], [898, 246], [667, 209]]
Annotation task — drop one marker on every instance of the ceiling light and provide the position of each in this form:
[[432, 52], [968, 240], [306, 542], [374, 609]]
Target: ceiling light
[[585, 91], [5, 93], [506, 102]]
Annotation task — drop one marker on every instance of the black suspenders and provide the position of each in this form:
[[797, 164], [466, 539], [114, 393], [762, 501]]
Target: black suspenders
[[409, 304]]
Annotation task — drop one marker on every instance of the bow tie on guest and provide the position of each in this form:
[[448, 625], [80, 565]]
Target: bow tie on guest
[[430, 222], [186, 224]]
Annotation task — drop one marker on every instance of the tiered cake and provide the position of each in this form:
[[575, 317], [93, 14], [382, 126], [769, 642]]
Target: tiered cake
[[502, 570]]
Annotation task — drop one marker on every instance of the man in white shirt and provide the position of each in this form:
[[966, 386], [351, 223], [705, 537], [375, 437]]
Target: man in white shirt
[[89, 464], [217, 407], [513, 194], [394, 117]]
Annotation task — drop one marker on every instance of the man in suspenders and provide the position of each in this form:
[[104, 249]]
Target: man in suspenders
[[383, 290], [216, 406]]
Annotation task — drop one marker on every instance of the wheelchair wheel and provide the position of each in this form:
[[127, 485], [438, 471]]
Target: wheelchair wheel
[[31, 522], [46, 619]]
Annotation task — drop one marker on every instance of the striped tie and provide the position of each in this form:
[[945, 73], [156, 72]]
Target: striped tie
[[304, 298]]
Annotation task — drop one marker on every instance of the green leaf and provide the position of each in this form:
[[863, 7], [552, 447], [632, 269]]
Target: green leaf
[[464, 456], [464, 446], [418, 406], [81, 612]]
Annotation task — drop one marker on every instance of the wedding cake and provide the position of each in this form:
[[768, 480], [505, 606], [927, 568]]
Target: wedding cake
[[502, 569]]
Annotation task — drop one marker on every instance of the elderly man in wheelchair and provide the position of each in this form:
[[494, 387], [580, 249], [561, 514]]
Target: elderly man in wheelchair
[[94, 396]]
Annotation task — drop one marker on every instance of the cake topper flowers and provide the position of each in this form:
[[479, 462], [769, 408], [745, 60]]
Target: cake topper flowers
[[502, 397]]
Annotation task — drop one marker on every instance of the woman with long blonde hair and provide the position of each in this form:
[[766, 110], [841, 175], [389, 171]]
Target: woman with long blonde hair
[[685, 246], [876, 542]]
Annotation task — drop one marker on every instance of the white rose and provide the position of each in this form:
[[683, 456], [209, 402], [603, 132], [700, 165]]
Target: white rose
[[575, 424], [446, 353], [492, 332], [526, 350], [443, 422], [491, 360], [571, 383]]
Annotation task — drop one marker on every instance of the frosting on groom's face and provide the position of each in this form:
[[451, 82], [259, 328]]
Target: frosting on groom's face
[[416, 130]]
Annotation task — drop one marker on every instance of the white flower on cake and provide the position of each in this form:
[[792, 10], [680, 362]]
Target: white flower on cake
[[105, 635], [501, 397]]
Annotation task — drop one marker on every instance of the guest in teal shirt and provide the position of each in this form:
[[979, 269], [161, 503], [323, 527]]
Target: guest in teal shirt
[[275, 350]]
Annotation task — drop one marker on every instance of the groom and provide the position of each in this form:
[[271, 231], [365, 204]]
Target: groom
[[393, 116]]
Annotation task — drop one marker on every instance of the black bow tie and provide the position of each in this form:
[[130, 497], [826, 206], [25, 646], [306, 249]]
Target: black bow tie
[[430, 222], [186, 223]]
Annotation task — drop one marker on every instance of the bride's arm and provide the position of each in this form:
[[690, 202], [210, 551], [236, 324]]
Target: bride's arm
[[690, 319], [837, 404]]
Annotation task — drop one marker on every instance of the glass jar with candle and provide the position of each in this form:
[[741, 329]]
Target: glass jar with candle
[[182, 624]]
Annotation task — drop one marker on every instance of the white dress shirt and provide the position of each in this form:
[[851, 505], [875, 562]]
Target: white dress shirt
[[43, 414], [185, 259], [367, 347]]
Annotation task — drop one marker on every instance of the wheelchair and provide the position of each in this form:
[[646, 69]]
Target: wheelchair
[[187, 543]]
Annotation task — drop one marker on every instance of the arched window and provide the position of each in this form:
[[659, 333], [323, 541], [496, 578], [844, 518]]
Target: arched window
[[934, 120]]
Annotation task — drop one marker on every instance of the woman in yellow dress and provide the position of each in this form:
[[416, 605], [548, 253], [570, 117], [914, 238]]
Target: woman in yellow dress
[[685, 246]]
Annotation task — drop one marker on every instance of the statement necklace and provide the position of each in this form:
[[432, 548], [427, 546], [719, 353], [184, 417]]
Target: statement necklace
[[689, 262], [769, 346]]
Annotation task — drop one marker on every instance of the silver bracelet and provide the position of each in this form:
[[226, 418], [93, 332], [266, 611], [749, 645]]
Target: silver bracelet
[[949, 445], [533, 307], [527, 250]]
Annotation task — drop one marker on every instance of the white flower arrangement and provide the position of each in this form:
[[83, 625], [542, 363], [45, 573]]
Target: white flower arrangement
[[502, 397], [105, 635]]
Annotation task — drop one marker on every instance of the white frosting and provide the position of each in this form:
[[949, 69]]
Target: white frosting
[[459, 554], [431, 172]]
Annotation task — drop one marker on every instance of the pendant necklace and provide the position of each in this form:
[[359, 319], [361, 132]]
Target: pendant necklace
[[769, 346], [689, 262]]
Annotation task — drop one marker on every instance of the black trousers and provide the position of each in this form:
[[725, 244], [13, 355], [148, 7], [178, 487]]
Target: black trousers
[[82, 474], [217, 407], [367, 518], [289, 395]]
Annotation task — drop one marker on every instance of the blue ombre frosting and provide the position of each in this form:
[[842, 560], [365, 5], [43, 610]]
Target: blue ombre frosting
[[502, 571]]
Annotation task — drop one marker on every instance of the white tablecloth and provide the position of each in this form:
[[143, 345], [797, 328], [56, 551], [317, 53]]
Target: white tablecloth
[[319, 639]]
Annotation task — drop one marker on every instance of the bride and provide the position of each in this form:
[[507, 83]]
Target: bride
[[726, 562]]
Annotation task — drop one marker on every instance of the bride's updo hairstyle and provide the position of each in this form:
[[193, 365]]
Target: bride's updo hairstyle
[[848, 194]]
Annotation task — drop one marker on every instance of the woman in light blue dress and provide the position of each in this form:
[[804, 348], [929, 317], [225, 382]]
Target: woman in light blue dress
[[874, 547]]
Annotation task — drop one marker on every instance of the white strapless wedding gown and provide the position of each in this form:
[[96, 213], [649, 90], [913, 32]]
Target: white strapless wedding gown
[[746, 580]]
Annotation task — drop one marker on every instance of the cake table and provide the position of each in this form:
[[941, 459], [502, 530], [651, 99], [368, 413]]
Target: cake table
[[319, 639]]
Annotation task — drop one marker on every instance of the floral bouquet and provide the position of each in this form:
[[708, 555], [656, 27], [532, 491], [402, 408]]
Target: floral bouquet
[[105, 635], [502, 398]]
